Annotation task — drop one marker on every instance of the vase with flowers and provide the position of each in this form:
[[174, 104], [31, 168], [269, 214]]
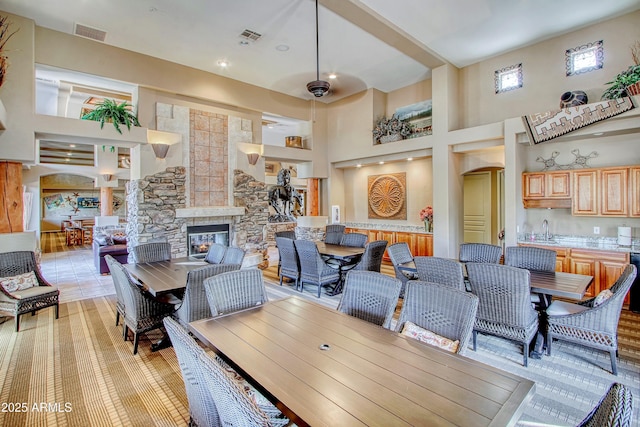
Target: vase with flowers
[[426, 215]]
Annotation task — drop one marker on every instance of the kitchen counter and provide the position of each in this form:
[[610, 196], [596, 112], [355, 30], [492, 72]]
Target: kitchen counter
[[581, 242]]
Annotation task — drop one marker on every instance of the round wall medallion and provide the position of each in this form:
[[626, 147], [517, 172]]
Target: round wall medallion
[[386, 196]]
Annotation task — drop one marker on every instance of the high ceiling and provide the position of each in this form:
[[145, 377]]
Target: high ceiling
[[356, 36]]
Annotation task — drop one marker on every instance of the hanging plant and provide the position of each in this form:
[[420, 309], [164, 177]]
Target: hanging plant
[[110, 111], [5, 35]]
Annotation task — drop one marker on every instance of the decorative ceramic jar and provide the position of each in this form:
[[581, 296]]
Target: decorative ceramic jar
[[573, 99], [293, 141]]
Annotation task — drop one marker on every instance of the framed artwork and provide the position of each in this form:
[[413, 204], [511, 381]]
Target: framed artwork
[[335, 214], [419, 117], [88, 202], [53, 201], [387, 196], [271, 168]]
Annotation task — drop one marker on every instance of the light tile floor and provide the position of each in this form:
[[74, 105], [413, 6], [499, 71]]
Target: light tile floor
[[74, 274]]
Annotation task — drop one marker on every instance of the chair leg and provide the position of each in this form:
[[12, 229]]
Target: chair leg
[[57, 310], [33, 312], [125, 332], [17, 323], [549, 341], [117, 317], [474, 337], [135, 343], [525, 353], [614, 367]]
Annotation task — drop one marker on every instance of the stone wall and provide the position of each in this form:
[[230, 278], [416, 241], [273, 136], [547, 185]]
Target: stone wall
[[151, 211], [249, 230]]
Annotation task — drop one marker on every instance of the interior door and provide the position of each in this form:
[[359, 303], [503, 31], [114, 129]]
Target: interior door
[[477, 200]]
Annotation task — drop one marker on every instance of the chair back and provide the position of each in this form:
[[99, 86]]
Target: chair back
[[370, 296], [530, 258], [354, 240], [480, 252], [399, 253], [289, 234], [441, 309], [194, 303], [311, 263], [611, 308], [333, 234], [202, 407], [235, 290], [18, 262], [289, 263], [233, 255], [372, 257], [152, 252], [234, 405], [615, 409], [440, 270], [215, 254], [504, 293], [129, 291]]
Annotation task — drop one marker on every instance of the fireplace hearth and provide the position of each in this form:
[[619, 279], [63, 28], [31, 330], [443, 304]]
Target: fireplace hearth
[[201, 237]]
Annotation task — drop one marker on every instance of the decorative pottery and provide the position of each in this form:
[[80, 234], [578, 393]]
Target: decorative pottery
[[634, 89], [293, 141], [428, 226], [573, 99]]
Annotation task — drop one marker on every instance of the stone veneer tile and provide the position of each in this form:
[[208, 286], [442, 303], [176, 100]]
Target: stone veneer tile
[[201, 198], [201, 152], [201, 168], [216, 182], [217, 199], [201, 122], [202, 184], [201, 137], [217, 126], [216, 154]]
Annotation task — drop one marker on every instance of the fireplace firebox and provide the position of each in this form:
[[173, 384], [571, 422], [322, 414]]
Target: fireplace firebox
[[201, 237]]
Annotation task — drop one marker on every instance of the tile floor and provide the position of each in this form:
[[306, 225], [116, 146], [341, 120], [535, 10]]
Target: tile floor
[[74, 274]]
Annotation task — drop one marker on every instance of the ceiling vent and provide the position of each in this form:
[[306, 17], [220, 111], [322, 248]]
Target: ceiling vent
[[89, 32], [250, 35]]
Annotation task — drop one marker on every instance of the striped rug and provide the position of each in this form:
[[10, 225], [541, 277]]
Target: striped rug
[[56, 241], [78, 371]]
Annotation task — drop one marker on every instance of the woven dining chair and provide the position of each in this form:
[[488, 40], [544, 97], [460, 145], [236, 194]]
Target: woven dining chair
[[27, 300], [288, 262], [505, 308], [142, 312], [530, 258], [235, 290], [289, 234], [238, 404], [152, 252], [440, 270], [215, 254], [354, 240], [333, 234], [370, 296], [313, 269], [590, 325], [615, 409], [442, 309], [233, 255], [400, 254], [202, 407], [480, 252], [194, 304], [372, 257]]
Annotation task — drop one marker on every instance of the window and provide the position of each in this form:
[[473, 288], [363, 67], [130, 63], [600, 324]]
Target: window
[[508, 78], [584, 58]]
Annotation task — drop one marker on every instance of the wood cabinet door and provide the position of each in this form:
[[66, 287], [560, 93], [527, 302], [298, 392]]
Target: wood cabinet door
[[389, 236], [587, 266], [558, 185], [634, 173], [533, 185], [424, 245], [614, 192], [585, 194]]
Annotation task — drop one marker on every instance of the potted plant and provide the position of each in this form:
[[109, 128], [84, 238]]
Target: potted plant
[[626, 83], [110, 111], [389, 130], [5, 35]]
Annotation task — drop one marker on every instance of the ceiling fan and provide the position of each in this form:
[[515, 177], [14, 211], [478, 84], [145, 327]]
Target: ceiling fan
[[318, 87]]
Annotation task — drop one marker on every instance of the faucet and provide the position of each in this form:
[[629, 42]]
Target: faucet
[[545, 229]]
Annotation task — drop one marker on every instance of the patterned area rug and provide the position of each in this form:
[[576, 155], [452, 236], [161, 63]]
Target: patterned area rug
[[56, 241]]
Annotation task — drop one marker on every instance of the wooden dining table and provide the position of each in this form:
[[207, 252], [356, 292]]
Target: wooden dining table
[[343, 255], [163, 277], [322, 367]]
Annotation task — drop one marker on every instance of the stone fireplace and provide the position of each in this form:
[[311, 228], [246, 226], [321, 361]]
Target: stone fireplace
[[201, 237]]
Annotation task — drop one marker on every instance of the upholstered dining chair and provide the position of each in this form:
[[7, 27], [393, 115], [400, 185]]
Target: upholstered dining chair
[[615, 409], [202, 407], [215, 254], [288, 262], [370, 296], [233, 255], [593, 322], [440, 270], [238, 404], [333, 234], [152, 252], [194, 304], [480, 252], [313, 269], [15, 301], [505, 308], [441, 309], [235, 290], [355, 240], [400, 255], [142, 312]]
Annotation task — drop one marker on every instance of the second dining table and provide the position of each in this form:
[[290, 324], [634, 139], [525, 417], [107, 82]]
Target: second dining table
[[344, 256], [164, 277]]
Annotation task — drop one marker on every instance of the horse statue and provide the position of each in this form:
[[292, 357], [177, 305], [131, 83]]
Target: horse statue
[[284, 199]]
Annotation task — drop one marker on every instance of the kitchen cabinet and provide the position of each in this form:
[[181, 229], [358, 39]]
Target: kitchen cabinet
[[601, 192], [546, 189], [420, 244], [585, 195], [604, 266], [634, 178]]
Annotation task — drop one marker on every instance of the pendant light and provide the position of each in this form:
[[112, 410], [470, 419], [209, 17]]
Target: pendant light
[[317, 87]]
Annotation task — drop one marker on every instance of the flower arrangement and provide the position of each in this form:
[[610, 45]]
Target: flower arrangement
[[388, 127], [426, 214], [5, 35]]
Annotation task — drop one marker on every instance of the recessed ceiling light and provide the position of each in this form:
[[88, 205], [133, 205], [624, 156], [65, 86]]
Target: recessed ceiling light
[[598, 134], [69, 154], [381, 163], [243, 43], [332, 76], [72, 145], [67, 160], [223, 63], [409, 159], [282, 48], [358, 165]]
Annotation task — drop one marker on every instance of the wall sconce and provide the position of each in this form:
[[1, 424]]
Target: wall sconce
[[253, 158], [107, 177], [160, 150]]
